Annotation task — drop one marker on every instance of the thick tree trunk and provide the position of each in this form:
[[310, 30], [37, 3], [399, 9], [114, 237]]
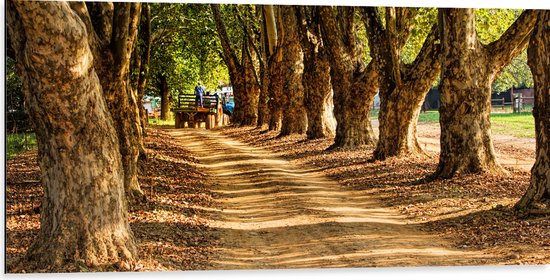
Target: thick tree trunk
[[112, 29], [239, 96], [316, 78], [318, 97], [263, 112], [354, 84], [294, 114], [401, 98], [539, 62], [164, 99], [116, 88], [275, 91], [398, 118], [84, 211], [353, 99], [468, 71], [123, 110], [466, 144], [252, 90]]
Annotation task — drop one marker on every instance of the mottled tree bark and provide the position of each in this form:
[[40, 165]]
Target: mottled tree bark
[[84, 211], [164, 98], [145, 49], [275, 90], [402, 87], [539, 61], [318, 97], [354, 84], [251, 88], [316, 77], [294, 114], [263, 110], [112, 30], [275, 69], [468, 71]]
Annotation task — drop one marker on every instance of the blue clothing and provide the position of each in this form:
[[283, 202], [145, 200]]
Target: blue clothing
[[199, 90]]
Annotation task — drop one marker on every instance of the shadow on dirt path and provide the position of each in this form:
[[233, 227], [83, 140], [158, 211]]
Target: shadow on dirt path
[[276, 214]]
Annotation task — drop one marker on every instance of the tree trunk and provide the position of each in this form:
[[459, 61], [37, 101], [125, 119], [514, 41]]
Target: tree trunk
[[164, 99], [145, 35], [318, 97], [275, 90], [466, 144], [353, 99], [539, 62], [402, 87], [84, 211], [294, 115], [398, 118], [252, 91], [112, 29], [468, 71], [239, 96], [269, 43], [316, 78], [354, 84], [263, 112]]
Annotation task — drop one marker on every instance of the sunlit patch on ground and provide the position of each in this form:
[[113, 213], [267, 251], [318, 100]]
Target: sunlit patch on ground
[[475, 211]]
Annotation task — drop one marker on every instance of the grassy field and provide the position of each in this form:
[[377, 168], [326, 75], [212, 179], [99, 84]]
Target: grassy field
[[519, 125], [152, 121], [516, 124], [19, 142]]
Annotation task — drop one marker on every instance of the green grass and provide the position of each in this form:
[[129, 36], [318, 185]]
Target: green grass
[[429, 116], [171, 121], [19, 142], [519, 124], [515, 124]]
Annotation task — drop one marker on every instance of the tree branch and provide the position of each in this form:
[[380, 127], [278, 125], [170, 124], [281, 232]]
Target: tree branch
[[248, 37], [101, 15], [404, 24], [427, 62], [229, 55], [332, 36], [392, 44], [271, 28], [249, 55], [375, 30], [81, 10], [513, 41]]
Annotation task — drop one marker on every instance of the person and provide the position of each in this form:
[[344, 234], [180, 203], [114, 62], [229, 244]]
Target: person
[[199, 89]]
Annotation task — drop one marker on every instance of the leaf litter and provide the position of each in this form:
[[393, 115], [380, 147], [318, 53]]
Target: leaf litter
[[170, 226]]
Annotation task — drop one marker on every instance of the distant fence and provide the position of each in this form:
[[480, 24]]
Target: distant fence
[[522, 104], [519, 104]]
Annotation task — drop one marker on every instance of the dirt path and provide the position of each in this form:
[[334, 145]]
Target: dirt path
[[275, 214]]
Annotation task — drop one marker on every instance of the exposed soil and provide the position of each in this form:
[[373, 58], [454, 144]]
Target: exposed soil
[[242, 198], [472, 211], [276, 214]]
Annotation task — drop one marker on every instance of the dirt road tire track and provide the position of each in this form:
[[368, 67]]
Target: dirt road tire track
[[275, 214]]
